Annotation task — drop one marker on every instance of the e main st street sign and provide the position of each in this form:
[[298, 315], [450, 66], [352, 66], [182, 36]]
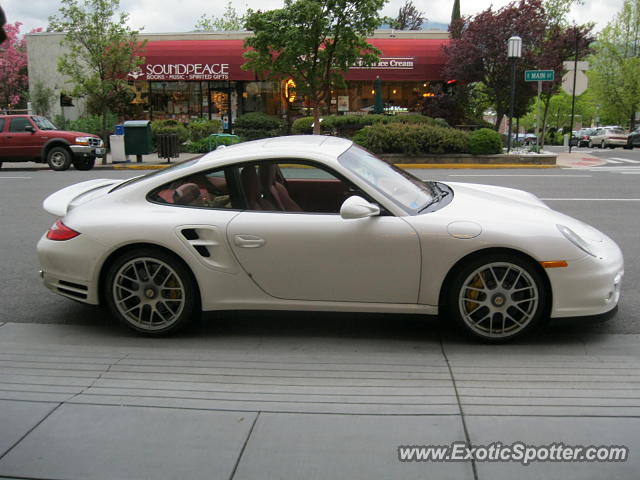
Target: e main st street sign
[[539, 75]]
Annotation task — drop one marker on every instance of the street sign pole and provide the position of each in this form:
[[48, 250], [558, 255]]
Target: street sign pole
[[538, 116]]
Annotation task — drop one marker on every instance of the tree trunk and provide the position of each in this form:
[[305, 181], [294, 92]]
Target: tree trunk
[[316, 118]]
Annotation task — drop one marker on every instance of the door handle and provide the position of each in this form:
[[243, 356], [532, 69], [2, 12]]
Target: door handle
[[248, 241]]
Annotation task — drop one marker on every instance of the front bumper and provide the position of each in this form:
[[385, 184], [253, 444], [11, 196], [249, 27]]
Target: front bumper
[[86, 151], [589, 286]]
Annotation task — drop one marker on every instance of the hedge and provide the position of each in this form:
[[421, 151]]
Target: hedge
[[255, 125], [348, 125], [412, 139]]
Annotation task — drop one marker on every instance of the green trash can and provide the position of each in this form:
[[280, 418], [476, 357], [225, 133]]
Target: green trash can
[[217, 139], [138, 139]]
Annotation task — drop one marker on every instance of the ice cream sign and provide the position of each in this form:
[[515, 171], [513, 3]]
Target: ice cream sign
[[390, 63]]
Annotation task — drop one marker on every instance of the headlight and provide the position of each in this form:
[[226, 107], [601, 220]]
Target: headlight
[[82, 140], [576, 239]]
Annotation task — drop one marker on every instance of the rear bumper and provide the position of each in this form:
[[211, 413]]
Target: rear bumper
[[68, 268]]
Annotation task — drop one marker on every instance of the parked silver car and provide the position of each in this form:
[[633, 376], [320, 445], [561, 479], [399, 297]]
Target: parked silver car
[[611, 137]]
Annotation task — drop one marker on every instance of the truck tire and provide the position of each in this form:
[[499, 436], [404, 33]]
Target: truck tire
[[59, 158], [84, 163]]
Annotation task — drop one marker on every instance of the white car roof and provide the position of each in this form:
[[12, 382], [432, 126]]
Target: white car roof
[[292, 145]]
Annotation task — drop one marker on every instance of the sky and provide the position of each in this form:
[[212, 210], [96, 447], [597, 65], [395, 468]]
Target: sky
[[153, 16]]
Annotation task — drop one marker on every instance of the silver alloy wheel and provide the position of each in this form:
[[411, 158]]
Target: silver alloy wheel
[[498, 300], [58, 159], [148, 293]]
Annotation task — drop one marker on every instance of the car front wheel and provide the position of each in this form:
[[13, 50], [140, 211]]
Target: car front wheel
[[151, 291], [498, 297], [59, 159]]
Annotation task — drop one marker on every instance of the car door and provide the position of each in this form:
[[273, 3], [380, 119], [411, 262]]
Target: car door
[[319, 256], [22, 144]]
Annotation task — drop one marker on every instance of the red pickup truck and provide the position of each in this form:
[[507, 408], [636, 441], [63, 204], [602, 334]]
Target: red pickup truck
[[31, 138]]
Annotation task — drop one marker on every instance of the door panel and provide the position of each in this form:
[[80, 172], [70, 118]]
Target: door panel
[[299, 256]]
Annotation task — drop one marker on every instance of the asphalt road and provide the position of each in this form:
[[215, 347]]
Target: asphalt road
[[606, 197]]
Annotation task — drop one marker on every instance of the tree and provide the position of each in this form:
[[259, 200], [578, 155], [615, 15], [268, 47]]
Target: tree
[[14, 80], [102, 49], [230, 21], [455, 12], [480, 52], [409, 18], [314, 42], [616, 65]]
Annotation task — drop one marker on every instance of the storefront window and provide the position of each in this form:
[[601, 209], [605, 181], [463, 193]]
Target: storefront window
[[262, 97]]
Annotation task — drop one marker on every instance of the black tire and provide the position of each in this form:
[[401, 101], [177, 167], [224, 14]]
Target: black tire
[[151, 292], [86, 163], [59, 159], [515, 299]]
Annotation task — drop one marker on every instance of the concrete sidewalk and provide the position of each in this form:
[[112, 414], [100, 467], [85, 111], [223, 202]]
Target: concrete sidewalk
[[94, 402]]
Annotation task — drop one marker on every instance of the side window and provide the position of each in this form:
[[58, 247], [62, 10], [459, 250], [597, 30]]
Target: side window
[[1, 124], [17, 124], [206, 190], [292, 186]]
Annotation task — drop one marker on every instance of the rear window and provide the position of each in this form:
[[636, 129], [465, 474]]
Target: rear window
[[616, 131]]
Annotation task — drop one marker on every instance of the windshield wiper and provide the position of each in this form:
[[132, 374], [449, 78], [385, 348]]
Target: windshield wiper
[[438, 194]]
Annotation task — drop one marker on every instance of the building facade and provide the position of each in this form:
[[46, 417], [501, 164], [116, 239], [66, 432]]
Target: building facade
[[188, 76]]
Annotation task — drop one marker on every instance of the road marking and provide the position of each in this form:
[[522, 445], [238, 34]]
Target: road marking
[[591, 199], [626, 160], [26, 178], [611, 160], [514, 175]]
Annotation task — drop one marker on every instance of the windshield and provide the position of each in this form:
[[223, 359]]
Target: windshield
[[155, 173], [408, 192], [43, 123]]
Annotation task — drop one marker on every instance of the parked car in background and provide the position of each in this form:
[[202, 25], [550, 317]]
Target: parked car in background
[[611, 137], [633, 140], [31, 138], [581, 137]]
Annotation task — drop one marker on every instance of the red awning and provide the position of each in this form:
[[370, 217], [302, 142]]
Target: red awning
[[404, 59], [193, 60]]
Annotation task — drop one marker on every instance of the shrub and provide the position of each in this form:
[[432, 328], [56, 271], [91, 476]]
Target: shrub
[[412, 139], [347, 125], [255, 125], [86, 124], [205, 145], [199, 129], [485, 142], [170, 126]]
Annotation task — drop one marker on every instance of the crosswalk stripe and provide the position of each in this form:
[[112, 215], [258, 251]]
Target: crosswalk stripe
[[626, 160]]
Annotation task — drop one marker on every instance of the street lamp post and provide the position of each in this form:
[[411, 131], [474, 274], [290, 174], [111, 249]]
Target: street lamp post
[[514, 51]]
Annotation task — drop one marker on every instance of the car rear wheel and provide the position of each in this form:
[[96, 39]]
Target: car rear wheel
[[498, 297], [151, 292], [84, 163], [59, 159]]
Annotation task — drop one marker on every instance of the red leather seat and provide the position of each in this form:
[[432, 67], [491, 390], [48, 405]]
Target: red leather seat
[[275, 190]]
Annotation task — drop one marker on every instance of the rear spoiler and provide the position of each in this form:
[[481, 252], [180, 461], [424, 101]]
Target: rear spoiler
[[59, 203]]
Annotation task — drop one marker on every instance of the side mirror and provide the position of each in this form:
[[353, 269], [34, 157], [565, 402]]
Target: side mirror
[[29, 128], [357, 207]]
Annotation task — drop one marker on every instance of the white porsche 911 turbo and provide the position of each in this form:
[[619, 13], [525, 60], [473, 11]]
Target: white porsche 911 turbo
[[317, 223]]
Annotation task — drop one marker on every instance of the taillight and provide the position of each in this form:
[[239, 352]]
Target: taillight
[[59, 231]]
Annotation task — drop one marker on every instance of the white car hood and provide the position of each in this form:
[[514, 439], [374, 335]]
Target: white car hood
[[490, 205]]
